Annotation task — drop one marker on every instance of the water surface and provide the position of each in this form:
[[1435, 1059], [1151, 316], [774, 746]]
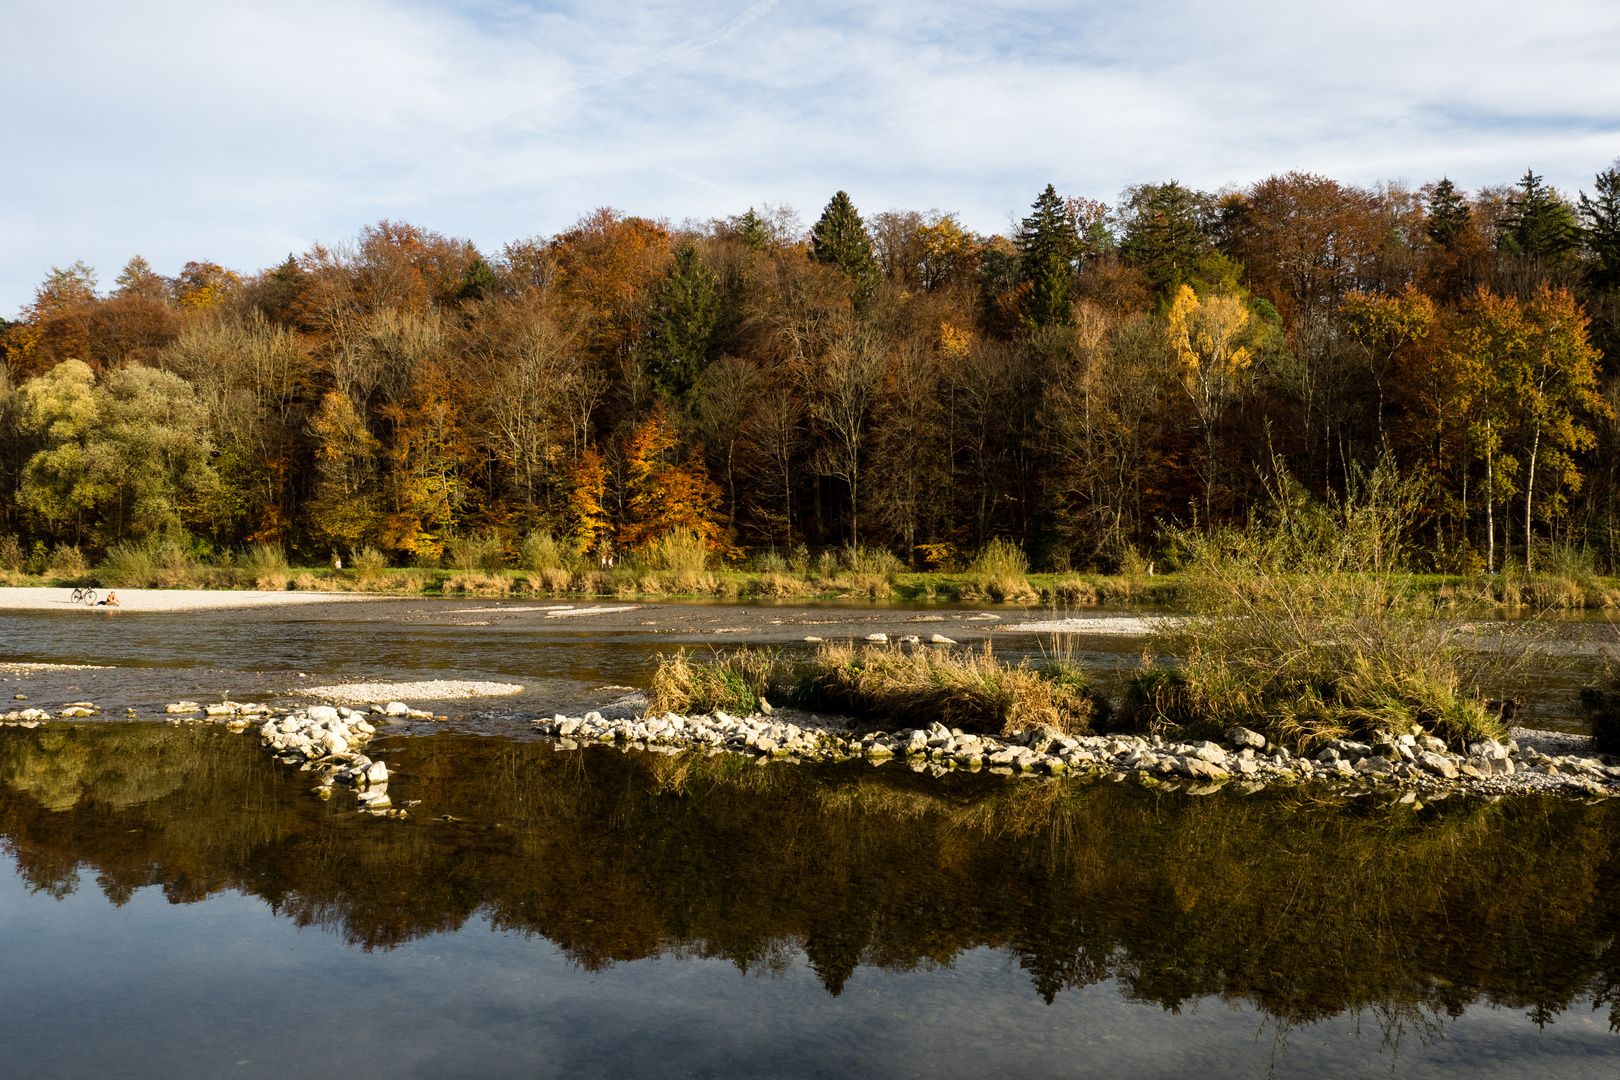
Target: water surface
[[177, 904]]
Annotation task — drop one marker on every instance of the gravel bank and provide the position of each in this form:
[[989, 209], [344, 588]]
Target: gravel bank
[[166, 599], [434, 690]]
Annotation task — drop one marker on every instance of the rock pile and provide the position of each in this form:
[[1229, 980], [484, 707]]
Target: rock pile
[[1418, 762], [326, 741]]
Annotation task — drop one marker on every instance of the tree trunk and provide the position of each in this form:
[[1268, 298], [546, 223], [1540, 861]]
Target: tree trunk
[[1529, 493], [1490, 517]]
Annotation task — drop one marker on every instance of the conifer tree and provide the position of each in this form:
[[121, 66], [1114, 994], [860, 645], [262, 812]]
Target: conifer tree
[[1541, 223], [1047, 248], [840, 239], [684, 318], [477, 281], [751, 227], [1449, 214], [1164, 237], [1601, 217]]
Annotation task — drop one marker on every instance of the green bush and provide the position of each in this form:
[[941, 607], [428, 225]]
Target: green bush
[[12, 556], [542, 551]]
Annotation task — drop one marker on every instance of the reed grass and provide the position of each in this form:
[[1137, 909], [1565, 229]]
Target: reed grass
[[266, 565], [888, 686], [1000, 572], [481, 551], [1304, 632]]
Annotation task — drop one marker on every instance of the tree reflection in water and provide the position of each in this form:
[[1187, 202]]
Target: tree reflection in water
[[1304, 906]]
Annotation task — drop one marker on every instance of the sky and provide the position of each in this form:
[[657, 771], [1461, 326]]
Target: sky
[[242, 132]]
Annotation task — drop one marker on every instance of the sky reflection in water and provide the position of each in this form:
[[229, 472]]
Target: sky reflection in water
[[607, 914]]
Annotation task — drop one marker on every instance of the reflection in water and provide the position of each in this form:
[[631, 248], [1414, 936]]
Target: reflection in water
[[1299, 908]]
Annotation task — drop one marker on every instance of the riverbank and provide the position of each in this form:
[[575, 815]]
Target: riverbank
[[61, 599], [1513, 589]]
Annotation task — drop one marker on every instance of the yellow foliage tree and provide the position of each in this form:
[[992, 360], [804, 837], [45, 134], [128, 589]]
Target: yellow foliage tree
[[665, 497], [1211, 340], [587, 496]]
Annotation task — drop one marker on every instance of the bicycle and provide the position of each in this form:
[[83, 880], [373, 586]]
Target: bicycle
[[83, 596]]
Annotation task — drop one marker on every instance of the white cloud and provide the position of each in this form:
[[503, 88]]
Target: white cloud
[[240, 132]]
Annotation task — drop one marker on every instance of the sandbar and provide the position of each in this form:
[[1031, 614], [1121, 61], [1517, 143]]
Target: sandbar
[[16, 599]]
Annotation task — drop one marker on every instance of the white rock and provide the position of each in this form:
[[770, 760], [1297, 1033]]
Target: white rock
[[321, 713], [377, 773], [397, 708], [941, 639], [880, 637]]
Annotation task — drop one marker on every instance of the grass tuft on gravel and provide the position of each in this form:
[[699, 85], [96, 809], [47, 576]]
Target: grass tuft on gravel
[[888, 686]]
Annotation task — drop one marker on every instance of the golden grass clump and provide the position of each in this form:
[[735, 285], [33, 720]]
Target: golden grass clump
[[266, 566], [478, 584], [681, 552], [888, 686], [370, 567], [777, 585], [1000, 572]]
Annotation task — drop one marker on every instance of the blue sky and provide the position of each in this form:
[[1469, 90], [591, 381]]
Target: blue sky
[[241, 131]]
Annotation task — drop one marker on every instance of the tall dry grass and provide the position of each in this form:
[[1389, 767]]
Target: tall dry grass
[[1000, 572], [1304, 632], [266, 566], [480, 551], [370, 567], [888, 686]]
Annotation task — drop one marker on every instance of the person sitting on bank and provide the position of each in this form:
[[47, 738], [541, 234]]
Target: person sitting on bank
[[110, 600]]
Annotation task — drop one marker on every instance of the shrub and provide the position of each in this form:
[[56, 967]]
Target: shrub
[[1000, 558], [12, 556], [542, 551], [769, 561], [306, 582], [266, 566], [128, 566], [1300, 634], [66, 561], [477, 551], [679, 551], [999, 573], [369, 567]]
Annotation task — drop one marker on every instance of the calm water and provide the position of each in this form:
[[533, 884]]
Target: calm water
[[178, 905], [173, 903]]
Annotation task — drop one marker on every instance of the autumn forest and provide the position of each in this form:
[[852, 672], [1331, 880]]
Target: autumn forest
[[890, 380]]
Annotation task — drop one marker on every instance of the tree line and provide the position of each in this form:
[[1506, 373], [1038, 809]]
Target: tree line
[[1077, 385]]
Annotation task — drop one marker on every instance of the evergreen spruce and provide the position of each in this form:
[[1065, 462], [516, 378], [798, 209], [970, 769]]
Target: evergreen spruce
[[1047, 248], [1165, 237], [1601, 217], [840, 239], [1449, 215], [477, 281], [685, 314], [1541, 223], [751, 227]]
